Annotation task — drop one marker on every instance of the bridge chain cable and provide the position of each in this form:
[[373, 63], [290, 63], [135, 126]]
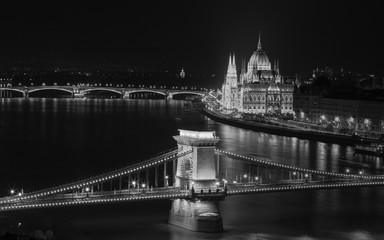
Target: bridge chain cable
[[292, 168]]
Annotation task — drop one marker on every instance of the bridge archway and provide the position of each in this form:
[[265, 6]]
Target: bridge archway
[[50, 92], [145, 94], [102, 93], [11, 92], [186, 95]]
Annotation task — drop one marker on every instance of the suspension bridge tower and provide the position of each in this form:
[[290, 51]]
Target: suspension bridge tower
[[196, 171]]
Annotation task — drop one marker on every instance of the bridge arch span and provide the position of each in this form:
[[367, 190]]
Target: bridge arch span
[[13, 89], [186, 92], [145, 91], [50, 88], [102, 89]]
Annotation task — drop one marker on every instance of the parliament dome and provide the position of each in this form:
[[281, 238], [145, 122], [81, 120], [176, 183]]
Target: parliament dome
[[259, 58]]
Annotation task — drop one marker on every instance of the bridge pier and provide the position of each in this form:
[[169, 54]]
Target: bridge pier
[[199, 216], [197, 171]]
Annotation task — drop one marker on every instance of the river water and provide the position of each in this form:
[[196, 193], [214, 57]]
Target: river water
[[44, 142]]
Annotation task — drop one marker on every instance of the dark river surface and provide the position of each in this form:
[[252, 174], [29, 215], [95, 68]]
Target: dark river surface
[[44, 142]]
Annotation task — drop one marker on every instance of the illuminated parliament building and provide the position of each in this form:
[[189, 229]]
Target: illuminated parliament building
[[259, 89]]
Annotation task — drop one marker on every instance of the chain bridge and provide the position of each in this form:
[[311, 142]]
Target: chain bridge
[[195, 177]]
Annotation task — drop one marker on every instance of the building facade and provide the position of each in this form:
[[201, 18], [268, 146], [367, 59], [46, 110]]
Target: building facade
[[339, 115], [258, 89]]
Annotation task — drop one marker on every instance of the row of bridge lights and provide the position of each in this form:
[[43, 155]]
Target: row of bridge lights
[[245, 176], [183, 195], [90, 182], [307, 187], [129, 86], [177, 195], [88, 189], [299, 169]]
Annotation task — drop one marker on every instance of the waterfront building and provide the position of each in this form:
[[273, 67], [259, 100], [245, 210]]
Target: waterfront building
[[341, 111], [259, 88]]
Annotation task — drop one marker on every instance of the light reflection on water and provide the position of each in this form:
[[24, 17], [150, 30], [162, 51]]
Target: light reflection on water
[[76, 137]]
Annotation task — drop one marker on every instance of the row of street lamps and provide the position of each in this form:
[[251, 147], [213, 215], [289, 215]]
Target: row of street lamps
[[88, 189]]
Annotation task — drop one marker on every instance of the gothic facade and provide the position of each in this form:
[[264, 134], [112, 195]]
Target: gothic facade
[[258, 89]]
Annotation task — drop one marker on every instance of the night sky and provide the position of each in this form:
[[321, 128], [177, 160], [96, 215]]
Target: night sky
[[196, 35]]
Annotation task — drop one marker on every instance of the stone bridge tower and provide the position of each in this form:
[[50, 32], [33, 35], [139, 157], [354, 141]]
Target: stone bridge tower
[[196, 171]]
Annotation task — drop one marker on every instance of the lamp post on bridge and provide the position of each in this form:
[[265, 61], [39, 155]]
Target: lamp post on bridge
[[166, 181], [257, 179], [245, 176]]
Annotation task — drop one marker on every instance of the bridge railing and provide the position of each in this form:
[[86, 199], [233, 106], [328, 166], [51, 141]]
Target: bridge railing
[[311, 185], [116, 193]]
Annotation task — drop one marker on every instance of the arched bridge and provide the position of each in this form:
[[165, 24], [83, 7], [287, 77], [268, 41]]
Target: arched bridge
[[80, 91], [195, 175]]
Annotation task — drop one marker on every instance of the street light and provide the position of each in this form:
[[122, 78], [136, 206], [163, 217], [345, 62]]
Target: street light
[[166, 180], [134, 183], [12, 191], [347, 170], [87, 190]]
